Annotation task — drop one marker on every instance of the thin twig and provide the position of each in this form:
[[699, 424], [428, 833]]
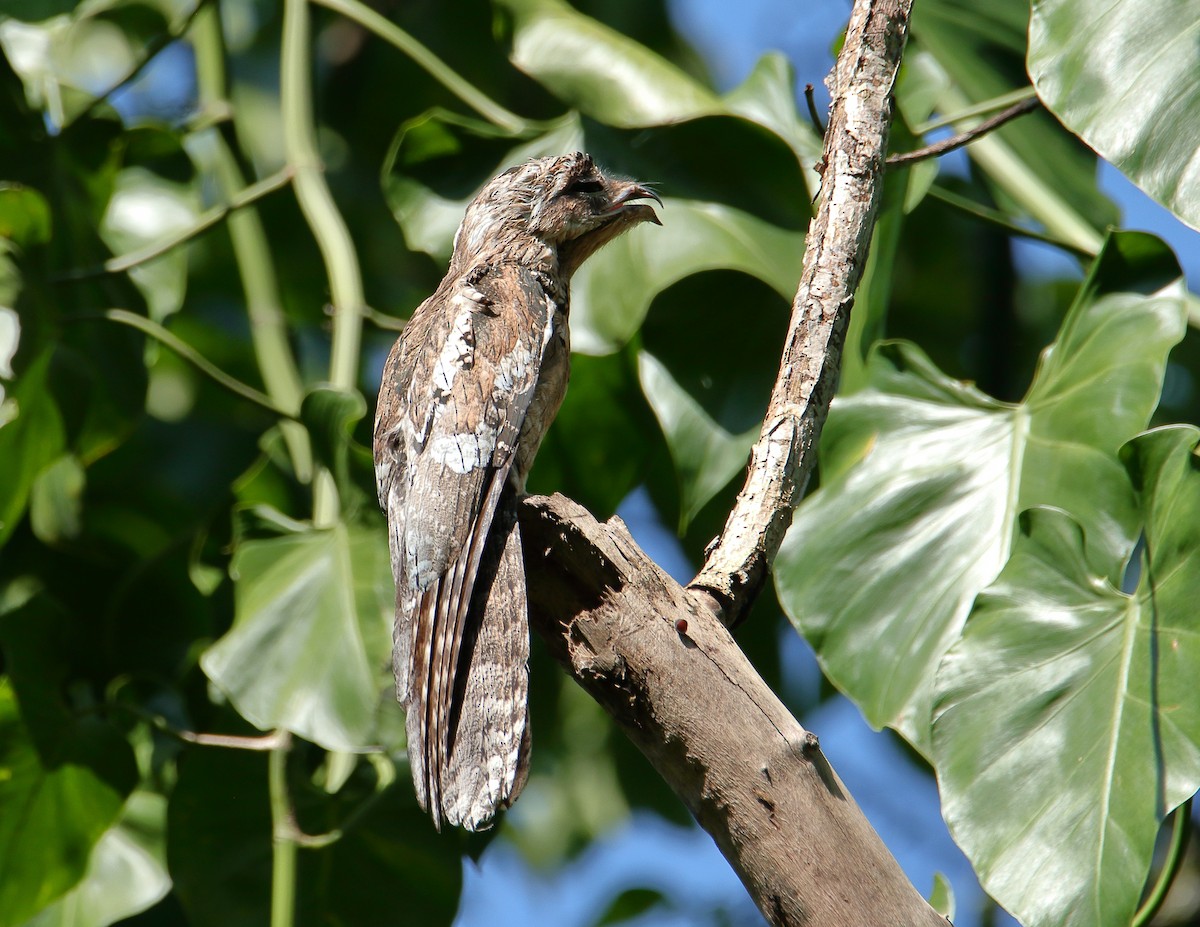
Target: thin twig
[[210, 217], [813, 116], [382, 320], [962, 138], [195, 358], [325, 222], [230, 741], [467, 92], [737, 563]]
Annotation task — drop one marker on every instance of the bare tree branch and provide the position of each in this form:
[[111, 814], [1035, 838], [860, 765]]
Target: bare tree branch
[[671, 675], [835, 253]]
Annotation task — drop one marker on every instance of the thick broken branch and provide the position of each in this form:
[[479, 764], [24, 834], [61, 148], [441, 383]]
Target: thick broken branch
[[675, 681], [835, 253]]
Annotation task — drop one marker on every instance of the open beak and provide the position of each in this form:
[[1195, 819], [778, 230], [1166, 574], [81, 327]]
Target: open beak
[[623, 200]]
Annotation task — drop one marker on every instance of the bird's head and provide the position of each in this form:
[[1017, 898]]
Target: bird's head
[[563, 207]]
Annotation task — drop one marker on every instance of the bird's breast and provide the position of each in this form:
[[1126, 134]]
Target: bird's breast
[[547, 397]]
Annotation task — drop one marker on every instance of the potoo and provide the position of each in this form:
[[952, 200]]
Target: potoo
[[468, 392]]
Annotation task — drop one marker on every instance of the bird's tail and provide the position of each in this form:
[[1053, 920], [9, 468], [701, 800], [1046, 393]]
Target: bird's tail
[[489, 750]]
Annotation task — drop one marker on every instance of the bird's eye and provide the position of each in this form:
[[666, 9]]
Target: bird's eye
[[585, 186]]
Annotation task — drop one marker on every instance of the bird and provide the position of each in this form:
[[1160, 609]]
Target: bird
[[468, 392]]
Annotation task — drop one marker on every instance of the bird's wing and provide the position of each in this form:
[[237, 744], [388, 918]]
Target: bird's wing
[[455, 392]]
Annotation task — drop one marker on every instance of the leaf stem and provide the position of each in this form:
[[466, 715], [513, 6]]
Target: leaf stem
[[484, 105], [1181, 825], [283, 859], [210, 217], [195, 358], [327, 225], [256, 267], [995, 217], [978, 109]]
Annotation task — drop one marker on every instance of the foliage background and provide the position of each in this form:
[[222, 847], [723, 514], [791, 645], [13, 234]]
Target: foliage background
[[168, 565]]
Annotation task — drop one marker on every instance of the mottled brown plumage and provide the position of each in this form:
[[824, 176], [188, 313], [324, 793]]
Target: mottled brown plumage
[[468, 392]]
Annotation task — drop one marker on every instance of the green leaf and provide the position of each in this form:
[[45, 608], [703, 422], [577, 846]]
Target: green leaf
[[1067, 726], [144, 210], [923, 479], [599, 71], [941, 898], [768, 96], [126, 873], [709, 391], [56, 501], [330, 415], [388, 866], [54, 806], [28, 443], [1129, 86], [706, 456], [24, 215], [695, 237], [630, 904], [309, 646], [1033, 166]]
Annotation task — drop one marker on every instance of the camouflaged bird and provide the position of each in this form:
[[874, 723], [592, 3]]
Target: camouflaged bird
[[468, 392]]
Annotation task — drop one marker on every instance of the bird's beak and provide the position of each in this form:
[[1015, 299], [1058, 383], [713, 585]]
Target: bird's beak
[[623, 202]]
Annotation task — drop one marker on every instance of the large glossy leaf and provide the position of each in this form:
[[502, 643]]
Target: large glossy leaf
[[311, 635], [1129, 85], [1067, 725], [599, 71], [923, 479]]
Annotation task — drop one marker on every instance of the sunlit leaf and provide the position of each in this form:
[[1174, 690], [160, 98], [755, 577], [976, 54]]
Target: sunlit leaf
[[28, 443], [24, 215], [308, 650], [126, 873], [1067, 726], [924, 477], [330, 415], [56, 500], [54, 806], [599, 71], [1129, 86], [941, 899], [146, 209]]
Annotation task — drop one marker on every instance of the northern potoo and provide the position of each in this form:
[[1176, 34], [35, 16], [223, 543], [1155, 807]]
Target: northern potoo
[[468, 392]]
